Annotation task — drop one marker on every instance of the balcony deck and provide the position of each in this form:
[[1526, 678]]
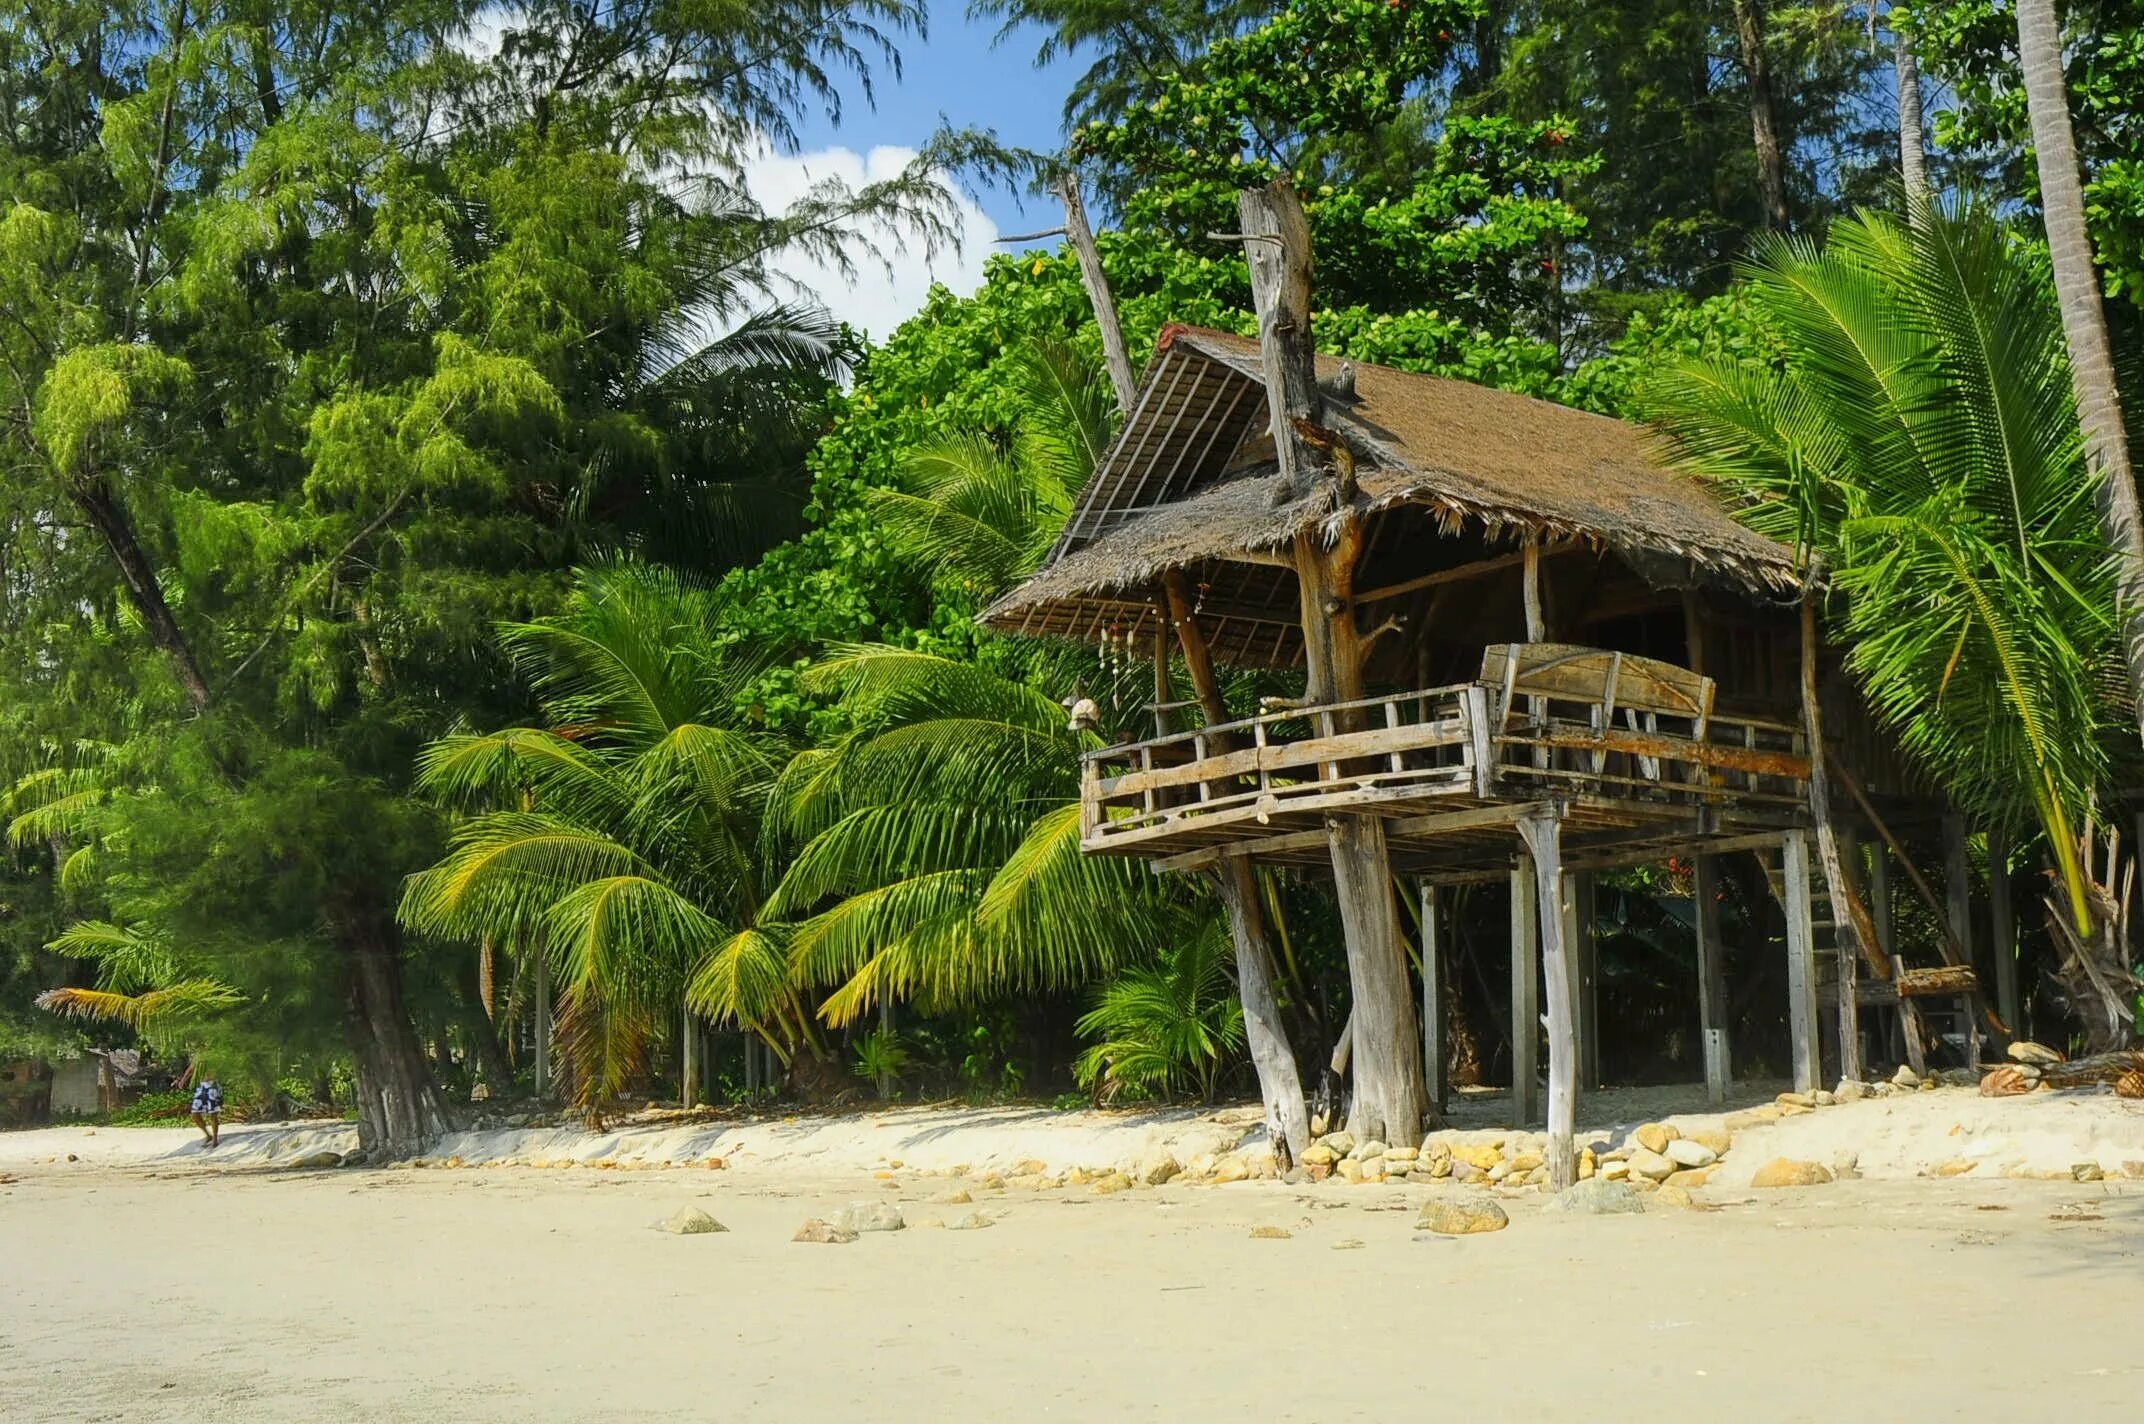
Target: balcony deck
[[1629, 751]]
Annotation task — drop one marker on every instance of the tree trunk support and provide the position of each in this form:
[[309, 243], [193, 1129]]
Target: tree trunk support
[[1544, 847], [1525, 994], [1801, 964], [1711, 980], [399, 1108]]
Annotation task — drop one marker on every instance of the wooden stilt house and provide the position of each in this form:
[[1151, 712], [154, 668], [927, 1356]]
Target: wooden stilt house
[[1568, 658]]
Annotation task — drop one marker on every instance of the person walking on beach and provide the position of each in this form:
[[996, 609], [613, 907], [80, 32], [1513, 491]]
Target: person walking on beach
[[208, 1110]]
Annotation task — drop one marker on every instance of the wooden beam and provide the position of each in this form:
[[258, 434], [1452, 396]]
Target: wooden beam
[[1853, 927], [1543, 837], [2002, 936], [1277, 248], [1530, 590], [1081, 236], [1525, 994], [1435, 1066], [1801, 964], [1480, 568], [1579, 913], [1711, 980]]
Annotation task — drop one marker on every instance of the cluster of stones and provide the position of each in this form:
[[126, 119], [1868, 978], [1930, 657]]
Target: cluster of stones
[[1656, 1154]]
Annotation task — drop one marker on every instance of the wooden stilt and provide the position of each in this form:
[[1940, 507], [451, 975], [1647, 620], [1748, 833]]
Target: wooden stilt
[[1435, 1069], [1711, 980], [1585, 957], [1544, 846], [1958, 906], [542, 1008], [1801, 964], [2002, 935], [1848, 963], [688, 1052], [1525, 995]]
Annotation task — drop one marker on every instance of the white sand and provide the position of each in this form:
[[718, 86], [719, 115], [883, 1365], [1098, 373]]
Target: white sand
[[186, 1293]]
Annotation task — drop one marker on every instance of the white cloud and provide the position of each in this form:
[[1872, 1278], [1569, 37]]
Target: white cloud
[[873, 300]]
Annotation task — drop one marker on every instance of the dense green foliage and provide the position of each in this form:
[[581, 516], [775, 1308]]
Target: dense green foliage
[[435, 545]]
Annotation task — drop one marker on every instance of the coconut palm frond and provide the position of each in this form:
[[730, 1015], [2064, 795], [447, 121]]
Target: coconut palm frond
[[151, 1011], [744, 980]]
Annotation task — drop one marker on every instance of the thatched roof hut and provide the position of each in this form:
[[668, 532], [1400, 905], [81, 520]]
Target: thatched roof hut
[[1455, 473]]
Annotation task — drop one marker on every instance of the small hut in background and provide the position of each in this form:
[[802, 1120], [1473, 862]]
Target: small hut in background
[[1530, 652]]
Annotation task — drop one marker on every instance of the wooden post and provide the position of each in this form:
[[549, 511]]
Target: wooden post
[[2002, 936], [1081, 236], [1530, 591], [1853, 929], [542, 1008], [688, 1052], [1525, 995], [1711, 980], [1801, 965], [1280, 1082], [1544, 846], [1436, 1074], [1848, 965], [1389, 1097], [1578, 912], [1958, 907], [885, 1029]]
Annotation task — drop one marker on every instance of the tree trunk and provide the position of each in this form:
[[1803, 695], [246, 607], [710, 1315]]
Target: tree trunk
[[399, 1108], [1389, 1097], [1763, 112], [100, 504], [1912, 146], [1280, 1085], [2084, 322], [1081, 236]]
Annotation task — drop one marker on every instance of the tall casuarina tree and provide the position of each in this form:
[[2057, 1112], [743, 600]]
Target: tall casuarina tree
[[2084, 321]]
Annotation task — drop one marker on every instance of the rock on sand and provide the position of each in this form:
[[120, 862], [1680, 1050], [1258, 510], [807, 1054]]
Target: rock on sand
[[1462, 1218], [1786, 1172], [691, 1221]]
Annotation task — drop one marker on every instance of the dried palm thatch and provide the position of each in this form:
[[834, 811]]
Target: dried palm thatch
[[1185, 488]]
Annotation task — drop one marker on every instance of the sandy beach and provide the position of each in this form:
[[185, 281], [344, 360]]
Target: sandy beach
[[141, 1281]]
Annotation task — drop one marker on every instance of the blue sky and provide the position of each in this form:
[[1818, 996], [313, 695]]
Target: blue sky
[[955, 76]]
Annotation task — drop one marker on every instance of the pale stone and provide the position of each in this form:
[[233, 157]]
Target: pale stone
[[1401, 1154], [1350, 1243], [1479, 1155], [1462, 1217], [2026, 1051], [313, 1161], [1690, 1177], [870, 1216], [1374, 1169], [822, 1233], [1341, 1143], [1366, 1150], [2133, 1169], [1684, 1152], [1159, 1169], [1671, 1195], [1795, 1100], [1587, 1165], [1271, 1233], [1651, 1165], [1955, 1167], [1905, 1077], [1786, 1172], [957, 1197], [969, 1221], [1499, 1172], [1526, 1161], [1719, 1139], [2086, 1172], [1318, 1154], [1598, 1196], [1230, 1169], [1752, 1117], [1032, 1167], [691, 1221], [1845, 1166], [1614, 1171], [1849, 1091], [1436, 1159], [1111, 1184], [1466, 1172], [1655, 1136], [1350, 1170]]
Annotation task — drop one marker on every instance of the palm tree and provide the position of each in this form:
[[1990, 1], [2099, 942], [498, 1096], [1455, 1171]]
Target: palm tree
[[1165, 1028], [2084, 323], [1922, 437], [621, 841], [940, 858]]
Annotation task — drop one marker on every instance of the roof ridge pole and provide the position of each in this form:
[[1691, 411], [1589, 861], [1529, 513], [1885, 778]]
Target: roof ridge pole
[[1081, 237], [1389, 1098]]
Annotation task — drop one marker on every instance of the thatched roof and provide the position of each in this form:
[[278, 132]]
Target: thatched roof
[[1183, 489]]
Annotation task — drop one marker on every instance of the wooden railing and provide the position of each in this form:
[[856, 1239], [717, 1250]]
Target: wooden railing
[[1507, 738]]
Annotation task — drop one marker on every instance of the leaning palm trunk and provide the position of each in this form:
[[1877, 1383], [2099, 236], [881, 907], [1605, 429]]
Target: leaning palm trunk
[[2084, 322], [2093, 969]]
